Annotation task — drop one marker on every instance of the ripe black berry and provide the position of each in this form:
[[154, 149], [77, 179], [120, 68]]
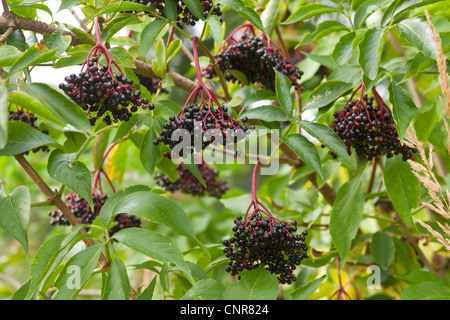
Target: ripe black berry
[[255, 57], [81, 209], [30, 119], [188, 183], [184, 17], [369, 128]]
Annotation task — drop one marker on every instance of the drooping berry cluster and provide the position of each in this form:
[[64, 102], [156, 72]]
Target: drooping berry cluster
[[188, 183], [151, 84], [254, 56], [199, 124], [81, 209], [103, 94], [184, 16], [28, 118], [202, 124], [265, 242], [369, 129]]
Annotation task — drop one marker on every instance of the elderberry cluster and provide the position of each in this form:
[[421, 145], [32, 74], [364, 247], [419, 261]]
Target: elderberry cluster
[[102, 94], [265, 242], [370, 130], [203, 124], [256, 59], [81, 209], [151, 84], [184, 16], [188, 183], [30, 119]]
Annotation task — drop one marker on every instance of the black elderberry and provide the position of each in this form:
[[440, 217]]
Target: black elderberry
[[254, 56], [30, 119], [369, 130], [103, 94], [188, 183], [82, 211], [184, 16], [265, 242]]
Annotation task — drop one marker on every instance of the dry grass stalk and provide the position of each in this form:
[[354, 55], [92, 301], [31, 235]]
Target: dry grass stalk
[[441, 60], [427, 178]]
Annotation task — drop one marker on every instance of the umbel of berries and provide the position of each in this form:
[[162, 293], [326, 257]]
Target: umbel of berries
[[188, 183], [101, 92], [30, 119], [201, 123], [367, 125], [255, 56], [82, 211], [261, 240], [183, 14]]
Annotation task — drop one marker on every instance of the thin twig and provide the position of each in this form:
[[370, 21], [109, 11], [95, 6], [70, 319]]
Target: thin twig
[[6, 34]]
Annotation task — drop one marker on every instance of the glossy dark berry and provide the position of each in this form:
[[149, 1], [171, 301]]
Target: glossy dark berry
[[256, 58], [30, 119], [369, 129], [188, 183], [268, 243], [184, 16], [81, 209], [103, 94]]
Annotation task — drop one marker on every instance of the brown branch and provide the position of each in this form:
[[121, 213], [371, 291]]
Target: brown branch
[[5, 6], [6, 34]]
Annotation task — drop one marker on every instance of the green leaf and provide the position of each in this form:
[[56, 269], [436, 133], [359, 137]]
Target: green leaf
[[195, 7], [428, 290], [150, 154], [418, 33], [403, 107], [170, 9], [283, 90], [323, 29], [347, 213], [62, 107], [119, 6], [193, 168], [307, 290], [383, 249], [22, 137], [343, 50], [83, 36], [117, 161], [150, 206], [425, 121], [117, 285], [208, 289], [57, 41], [256, 284], [403, 187], [326, 136], [365, 10], [8, 54], [306, 150], [269, 16], [247, 13], [116, 25], [15, 214], [74, 174], [31, 57], [371, 49], [326, 93], [216, 28], [4, 115], [154, 245], [48, 258], [266, 113], [77, 272], [307, 11], [149, 35], [147, 294]]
